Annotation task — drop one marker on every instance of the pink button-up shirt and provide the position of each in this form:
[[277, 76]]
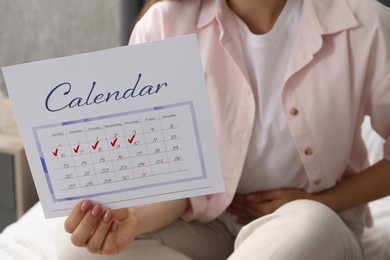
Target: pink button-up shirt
[[339, 72]]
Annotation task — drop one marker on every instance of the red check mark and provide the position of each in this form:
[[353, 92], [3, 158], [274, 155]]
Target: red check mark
[[131, 139], [114, 142], [76, 150], [55, 153], [95, 145]]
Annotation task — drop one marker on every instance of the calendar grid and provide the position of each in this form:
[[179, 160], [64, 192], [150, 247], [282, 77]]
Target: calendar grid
[[143, 131], [91, 160], [131, 164], [74, 167], [165, 145], [73, 162], [121, 152]]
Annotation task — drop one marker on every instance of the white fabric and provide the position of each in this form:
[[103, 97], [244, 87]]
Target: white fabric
[[314, 232], [140, 250], [376, 240], [179, 241], [32, 237], [271, 142]]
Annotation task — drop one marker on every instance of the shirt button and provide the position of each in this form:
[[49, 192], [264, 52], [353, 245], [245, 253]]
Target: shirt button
[[309, 151], [293, 111], [317, 182]]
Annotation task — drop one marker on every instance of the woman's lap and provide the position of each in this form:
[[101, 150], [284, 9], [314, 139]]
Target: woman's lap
[[298, 230], [179, 241]]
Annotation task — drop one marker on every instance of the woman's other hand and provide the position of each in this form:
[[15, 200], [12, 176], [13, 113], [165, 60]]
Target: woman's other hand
[[254, 205]]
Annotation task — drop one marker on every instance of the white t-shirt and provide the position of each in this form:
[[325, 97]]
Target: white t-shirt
[[272, 161]]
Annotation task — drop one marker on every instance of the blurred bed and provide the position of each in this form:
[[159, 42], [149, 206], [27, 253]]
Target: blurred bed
[[32, 236]]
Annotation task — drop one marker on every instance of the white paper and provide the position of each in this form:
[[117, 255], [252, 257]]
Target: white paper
[[122, 127]]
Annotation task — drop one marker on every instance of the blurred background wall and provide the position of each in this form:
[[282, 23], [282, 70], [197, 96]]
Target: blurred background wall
[[385, 2], [33, 30], [40, 29]]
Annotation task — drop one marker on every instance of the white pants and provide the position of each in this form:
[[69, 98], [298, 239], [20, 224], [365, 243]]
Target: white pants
[[299, 230]]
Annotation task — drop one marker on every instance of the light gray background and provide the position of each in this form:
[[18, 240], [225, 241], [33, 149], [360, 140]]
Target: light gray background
[[40, 29]]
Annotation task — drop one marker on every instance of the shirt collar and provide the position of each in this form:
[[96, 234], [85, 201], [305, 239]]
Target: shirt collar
[[319, 11], [209, 10], [341, 18]]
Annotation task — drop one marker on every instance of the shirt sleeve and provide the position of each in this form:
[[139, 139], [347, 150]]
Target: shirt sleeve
[[379, 72], [379, 111]]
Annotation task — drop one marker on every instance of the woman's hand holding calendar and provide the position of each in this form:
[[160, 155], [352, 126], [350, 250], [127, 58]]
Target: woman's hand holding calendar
[[99, 230]]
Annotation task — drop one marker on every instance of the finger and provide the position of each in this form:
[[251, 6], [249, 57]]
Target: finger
[[239, 198], [95, 242], [263, 196], [120, 236], [77, 214], [254, 210], [121, 214], [245, 203], [87, 225], [266, 208], [235, 208], [110, 243], [243, 211], [243, 221]]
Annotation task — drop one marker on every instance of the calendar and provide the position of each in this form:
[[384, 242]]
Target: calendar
[[120, 149], [121, 127]]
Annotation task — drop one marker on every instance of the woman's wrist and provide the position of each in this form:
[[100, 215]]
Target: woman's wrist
[[135, 221], [357, 189]]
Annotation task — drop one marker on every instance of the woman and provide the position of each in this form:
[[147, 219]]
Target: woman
[[289, 83]]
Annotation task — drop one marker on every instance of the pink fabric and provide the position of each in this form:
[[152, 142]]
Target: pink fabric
[[339, 72]]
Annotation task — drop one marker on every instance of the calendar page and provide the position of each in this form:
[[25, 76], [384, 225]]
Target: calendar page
[[121, 127]]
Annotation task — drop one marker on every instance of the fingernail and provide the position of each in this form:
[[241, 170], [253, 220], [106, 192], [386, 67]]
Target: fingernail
[[114, 226], [85, 205], [107, 216], [96, 210]]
